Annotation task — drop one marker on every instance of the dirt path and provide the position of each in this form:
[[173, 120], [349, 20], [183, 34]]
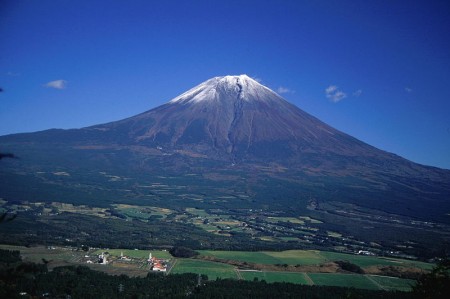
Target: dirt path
[[172, 266], [308, 279], [238, 273], [375, 282]]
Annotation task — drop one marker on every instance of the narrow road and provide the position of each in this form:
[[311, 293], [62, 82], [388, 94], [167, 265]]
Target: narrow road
[[238, 273], [375, 282], [308, 279], [172, 266]]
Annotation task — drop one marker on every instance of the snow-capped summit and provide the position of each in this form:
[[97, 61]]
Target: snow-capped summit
[[240, 87], [234, 116]]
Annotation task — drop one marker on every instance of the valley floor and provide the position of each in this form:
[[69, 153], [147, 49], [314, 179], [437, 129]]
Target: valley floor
[[307, 267]]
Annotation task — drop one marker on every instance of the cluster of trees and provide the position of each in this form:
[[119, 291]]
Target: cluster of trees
[[435, 284], [236, 289], [182, 252], [14, 273], [350, 267]]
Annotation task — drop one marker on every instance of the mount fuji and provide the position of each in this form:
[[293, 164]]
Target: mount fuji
[[234, 136]]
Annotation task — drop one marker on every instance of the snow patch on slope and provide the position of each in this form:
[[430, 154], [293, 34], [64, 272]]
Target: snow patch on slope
[[241, 86]]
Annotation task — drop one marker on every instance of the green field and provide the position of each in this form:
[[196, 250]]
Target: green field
[[367, 261], [244, 256], [290, 257], [374, 282], [393, 283], [291, 277], [310, 257], [298, 257], [211, 269], [343, 280]]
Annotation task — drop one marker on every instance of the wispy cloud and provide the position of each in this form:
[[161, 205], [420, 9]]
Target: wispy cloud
[[57, 84], [282, 90], [408, 89], [357, 93], [334, 94], [330, 89], [11, 74]]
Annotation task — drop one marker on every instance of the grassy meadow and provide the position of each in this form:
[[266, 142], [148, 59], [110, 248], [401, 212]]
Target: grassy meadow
[[343, 280], [393, 283], [310, 257], [290, 257], [270, 277], [211, 269]]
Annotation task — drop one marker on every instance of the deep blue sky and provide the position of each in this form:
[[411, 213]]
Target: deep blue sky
[[385, 64]]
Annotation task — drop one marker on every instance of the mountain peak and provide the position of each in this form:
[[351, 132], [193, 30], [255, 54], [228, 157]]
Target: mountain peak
[[240, 87]]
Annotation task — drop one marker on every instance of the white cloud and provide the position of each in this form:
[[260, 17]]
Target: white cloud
[[333, 93], [282, 90], [357, 93], [330, 89], [408, 90], [57, 84]]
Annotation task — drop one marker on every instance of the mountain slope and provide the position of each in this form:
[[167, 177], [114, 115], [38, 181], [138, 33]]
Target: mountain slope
[[234, 115], [236, 129]]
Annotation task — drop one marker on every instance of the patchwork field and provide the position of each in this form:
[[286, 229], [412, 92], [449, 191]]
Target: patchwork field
[[216, 270], [137, 266], [310, 257]]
